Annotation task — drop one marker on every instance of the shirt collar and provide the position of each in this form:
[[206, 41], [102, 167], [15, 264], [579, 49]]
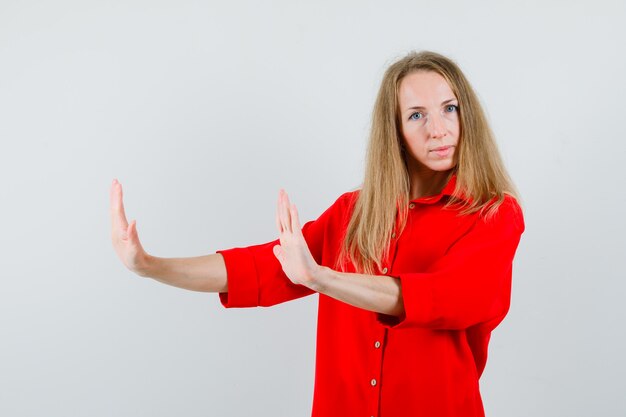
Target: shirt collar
[[447, 191]]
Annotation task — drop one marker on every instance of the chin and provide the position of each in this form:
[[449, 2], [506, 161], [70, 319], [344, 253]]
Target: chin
[[442, 166]]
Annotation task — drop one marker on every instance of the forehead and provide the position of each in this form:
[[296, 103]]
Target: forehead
[[423, 88]]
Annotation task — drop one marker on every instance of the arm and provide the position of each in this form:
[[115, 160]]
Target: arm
[[202, 273], [378, 293]]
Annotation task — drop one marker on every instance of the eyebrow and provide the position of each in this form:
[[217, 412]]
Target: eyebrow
[[422, 108]]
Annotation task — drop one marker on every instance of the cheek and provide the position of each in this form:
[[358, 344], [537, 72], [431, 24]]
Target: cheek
[[412, 135], [454, 127], [406, 132]]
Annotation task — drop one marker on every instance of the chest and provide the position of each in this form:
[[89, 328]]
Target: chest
[[429, 233]]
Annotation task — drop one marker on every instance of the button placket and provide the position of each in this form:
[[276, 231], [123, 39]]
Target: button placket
[[377, 350], [378, 341]]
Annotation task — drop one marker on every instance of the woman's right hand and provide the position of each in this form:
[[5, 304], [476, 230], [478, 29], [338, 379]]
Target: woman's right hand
[[125, 238]]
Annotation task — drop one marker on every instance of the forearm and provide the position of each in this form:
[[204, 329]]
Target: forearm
[[202, 273], [381, 294]]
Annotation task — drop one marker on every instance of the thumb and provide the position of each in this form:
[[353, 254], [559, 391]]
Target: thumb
[[131, 231], [278, 253]]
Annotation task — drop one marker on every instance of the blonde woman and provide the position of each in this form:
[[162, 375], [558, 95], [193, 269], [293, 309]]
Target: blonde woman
[[413, 270]]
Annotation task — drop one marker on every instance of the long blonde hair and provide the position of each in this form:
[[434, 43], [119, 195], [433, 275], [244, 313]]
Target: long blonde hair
[[382, 204]]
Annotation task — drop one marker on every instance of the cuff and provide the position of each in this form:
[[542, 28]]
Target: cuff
[[417, 298], [242, 277]]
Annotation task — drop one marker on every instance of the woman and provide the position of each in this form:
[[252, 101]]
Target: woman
[[413, 270]]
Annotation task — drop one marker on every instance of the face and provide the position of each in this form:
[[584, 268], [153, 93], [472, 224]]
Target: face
[[430, 122]]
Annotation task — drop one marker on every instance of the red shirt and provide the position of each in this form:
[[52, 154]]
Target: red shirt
[[455, 273]]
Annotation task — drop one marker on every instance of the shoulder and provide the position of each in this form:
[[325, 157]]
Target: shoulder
[[340, 208], [508, 213], [340, 212], [349, 197], [346, 201]]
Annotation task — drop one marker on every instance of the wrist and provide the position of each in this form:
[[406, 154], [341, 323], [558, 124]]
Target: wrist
[[319, 279], [146, 265]]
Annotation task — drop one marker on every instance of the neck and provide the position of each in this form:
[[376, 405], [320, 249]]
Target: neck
[[426, 182]]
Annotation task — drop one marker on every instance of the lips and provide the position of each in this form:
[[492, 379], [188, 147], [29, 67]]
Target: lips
[[443, 151]]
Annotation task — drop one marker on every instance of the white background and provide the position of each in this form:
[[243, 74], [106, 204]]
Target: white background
[[203, 110]]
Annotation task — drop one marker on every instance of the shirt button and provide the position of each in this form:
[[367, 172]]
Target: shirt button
[[373, 382], [385, 270], [412, 205], [377, 344], [393, 235]]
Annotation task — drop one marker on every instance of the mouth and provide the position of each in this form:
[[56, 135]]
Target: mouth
[[443, 151]]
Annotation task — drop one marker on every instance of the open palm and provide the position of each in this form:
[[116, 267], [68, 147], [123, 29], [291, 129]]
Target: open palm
[[293, 252], [124, 236]]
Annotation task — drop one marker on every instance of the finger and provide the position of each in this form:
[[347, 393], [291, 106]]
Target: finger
[[295, 220], [285, 217], [118, 215]]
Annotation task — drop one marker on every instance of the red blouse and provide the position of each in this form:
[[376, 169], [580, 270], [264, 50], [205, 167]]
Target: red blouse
[[455, 274]]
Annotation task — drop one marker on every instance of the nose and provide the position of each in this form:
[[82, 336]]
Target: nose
[[436, 126]]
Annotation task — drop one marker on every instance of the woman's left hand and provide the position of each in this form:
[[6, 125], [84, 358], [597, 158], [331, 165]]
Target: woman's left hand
[[293, 252]]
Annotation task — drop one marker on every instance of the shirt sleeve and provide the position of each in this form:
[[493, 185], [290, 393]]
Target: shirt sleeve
[[255, 276], [471, 283]]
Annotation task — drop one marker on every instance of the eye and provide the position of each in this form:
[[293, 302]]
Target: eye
[[416, 116], [451, 108]]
